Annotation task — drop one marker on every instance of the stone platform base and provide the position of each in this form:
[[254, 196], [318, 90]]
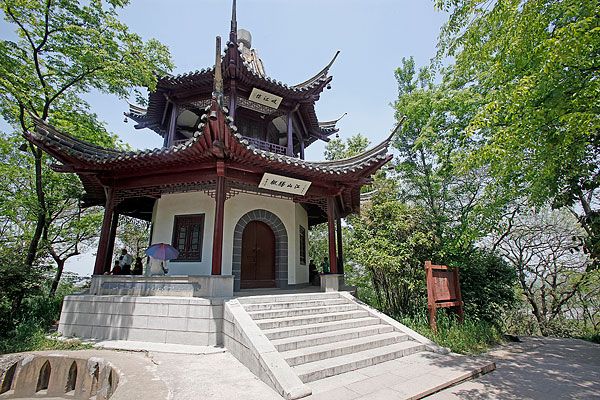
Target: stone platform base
[[176, 286], [159, 319], [335, 283]]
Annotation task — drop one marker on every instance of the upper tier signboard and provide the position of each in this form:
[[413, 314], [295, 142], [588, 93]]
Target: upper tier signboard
[[284, 184], [265, 98]]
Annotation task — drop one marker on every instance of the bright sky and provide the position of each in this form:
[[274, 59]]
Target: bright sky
[[295, 39]]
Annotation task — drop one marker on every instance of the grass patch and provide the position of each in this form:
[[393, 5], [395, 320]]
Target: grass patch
[[29, 337], [471, 337]]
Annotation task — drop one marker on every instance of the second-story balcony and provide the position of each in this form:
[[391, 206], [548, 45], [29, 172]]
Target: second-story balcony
[[262, 145], [257, 143]]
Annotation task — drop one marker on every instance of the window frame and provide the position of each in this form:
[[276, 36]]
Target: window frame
[[188, 220], [302, 238]]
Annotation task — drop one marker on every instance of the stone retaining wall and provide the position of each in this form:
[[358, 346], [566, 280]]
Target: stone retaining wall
[[190, 321]]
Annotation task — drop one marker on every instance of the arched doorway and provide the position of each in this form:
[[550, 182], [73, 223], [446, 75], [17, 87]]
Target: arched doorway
[[258, 256], [281, 246]]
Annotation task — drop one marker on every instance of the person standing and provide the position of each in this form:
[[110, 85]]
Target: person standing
[[325, 265], [125, 261], [116, 268], [138, 267]]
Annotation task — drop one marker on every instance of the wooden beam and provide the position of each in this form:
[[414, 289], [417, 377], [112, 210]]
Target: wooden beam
[[217, 254], [164, 178], [105, 232], [331, 231]]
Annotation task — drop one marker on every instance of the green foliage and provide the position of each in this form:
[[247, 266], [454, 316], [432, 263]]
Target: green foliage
[[336, 148], [460, 205], [487, 285], [61, 50], [30, 337], [28, 329], [133, 234], [534, 65], [473, 336], [65, 48], [390, 242]]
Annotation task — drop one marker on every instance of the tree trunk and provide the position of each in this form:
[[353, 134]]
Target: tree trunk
[[41, 212], [60, 265]]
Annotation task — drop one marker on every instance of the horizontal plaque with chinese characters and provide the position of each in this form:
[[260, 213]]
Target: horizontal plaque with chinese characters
[[284, 184], [265, 98]]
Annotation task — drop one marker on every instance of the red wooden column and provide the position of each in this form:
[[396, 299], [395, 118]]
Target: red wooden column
[[103, 244], [290, 135], [338, 223], [217, 255], [331, 228], [301, 148], [111, 241]]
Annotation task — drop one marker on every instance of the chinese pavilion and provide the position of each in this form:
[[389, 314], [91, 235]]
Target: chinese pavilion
[[230, 187]]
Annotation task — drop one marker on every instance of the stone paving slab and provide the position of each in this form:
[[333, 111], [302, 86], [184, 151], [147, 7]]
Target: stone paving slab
[[411, 377]]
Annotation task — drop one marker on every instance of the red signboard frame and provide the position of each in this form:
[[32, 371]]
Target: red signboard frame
[[443, 291]]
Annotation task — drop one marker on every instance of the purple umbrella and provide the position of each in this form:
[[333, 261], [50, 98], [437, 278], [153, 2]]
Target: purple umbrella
[[162, 251]]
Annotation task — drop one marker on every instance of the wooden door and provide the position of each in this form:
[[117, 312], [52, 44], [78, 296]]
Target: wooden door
[[258, 256]]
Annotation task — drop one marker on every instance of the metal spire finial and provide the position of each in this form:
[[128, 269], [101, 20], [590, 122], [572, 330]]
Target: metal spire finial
[[233, 32]]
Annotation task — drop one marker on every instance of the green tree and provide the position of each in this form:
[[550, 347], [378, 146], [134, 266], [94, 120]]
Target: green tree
[[65, 48], [459, 204], [61, 50], [390, 243], [534, 66]]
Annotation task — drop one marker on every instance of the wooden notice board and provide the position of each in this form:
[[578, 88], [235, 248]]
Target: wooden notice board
[[443, 291]]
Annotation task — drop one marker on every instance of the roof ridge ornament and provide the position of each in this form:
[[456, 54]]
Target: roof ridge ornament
[[233, 31], [319, 75]]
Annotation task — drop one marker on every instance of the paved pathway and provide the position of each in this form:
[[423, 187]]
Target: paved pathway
[[537, 368]]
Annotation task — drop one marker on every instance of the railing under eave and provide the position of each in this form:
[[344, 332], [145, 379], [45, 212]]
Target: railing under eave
[[262, 145], [259, 144]]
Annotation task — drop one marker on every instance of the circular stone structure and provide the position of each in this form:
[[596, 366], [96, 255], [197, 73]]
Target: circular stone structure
[[26, 376]]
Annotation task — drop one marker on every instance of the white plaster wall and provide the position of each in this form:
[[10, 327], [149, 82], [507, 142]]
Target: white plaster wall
[[242, 203], [170, 205], [301, 220], [291, 215]]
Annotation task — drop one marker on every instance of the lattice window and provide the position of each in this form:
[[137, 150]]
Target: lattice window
[[188, 235], [302, 245]]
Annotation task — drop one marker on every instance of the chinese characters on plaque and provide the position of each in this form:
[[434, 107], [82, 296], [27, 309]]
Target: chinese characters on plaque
[[265, 98], [284, 184]]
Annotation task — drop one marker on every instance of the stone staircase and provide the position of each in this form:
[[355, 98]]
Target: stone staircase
[[320, 335]]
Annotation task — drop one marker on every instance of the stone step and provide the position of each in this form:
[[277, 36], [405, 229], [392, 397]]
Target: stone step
[[340, 348], [299, 331], [287, 298], [283, 305], [295, 312], [316, 339], [316, 370], [309, 319]]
